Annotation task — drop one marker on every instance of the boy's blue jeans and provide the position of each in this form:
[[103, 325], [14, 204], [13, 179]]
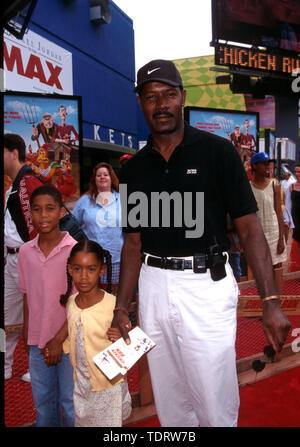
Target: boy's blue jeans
[[52, 389], [235, 262]]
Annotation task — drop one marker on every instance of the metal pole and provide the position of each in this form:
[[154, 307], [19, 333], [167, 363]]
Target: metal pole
[[278, 160], [267, 141]]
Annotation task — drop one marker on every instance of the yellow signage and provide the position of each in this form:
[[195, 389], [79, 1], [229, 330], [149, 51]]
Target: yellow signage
[[255, 59]]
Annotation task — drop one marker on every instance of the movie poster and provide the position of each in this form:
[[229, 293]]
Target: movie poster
[[240, 128], [50, 126]]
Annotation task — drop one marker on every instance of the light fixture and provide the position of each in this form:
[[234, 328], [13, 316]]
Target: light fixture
[[100, 11]]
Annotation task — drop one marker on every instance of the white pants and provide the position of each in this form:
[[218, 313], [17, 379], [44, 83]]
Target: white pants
[[13, 310], [192, 320]]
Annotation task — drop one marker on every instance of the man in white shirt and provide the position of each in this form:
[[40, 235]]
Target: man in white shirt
[[287, 182]]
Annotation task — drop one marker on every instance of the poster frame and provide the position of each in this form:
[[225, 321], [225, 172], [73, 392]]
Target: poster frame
[[58, 98], [226, 112]]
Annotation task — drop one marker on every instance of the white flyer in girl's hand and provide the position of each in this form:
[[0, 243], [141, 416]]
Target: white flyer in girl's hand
[[118, 358]]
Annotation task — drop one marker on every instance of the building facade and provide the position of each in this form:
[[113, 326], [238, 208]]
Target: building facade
[[66, 52]]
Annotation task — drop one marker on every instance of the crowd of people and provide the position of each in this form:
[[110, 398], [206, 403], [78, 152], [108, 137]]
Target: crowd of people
[[277, 212], [78, 303]]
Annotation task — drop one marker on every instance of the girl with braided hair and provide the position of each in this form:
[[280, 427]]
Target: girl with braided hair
[[98, 401]]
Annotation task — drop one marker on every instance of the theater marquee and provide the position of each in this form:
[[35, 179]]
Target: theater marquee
[[35, 64], [255, 59]]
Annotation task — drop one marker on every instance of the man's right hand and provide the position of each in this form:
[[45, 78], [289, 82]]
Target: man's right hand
[[129, 273], [122, 322]]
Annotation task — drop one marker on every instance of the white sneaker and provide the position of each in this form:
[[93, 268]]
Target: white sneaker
[[26, 377], [7, 375]]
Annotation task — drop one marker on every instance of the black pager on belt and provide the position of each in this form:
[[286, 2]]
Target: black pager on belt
[[199, 264], [216, 262]]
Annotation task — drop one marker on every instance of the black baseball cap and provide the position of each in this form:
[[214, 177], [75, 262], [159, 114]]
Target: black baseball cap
[[158, 71]]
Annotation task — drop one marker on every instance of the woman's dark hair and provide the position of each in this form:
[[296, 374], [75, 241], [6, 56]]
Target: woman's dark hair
[[47, 190], [88, 246]]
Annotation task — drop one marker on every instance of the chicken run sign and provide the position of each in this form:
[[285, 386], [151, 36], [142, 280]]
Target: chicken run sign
[[34, 64]]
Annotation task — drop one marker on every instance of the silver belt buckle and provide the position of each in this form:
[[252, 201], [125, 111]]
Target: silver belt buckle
[[178, 263]]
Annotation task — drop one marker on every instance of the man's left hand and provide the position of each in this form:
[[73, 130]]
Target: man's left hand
[[275, 324]]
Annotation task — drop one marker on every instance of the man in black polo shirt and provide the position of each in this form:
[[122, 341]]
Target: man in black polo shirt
[[178, 190]]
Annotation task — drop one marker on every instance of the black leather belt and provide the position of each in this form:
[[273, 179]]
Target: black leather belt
[[168, 263], [180, 263], [12, 251]]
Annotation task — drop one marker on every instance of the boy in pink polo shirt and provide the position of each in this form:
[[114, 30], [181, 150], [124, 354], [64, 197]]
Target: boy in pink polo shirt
[[42, 278]]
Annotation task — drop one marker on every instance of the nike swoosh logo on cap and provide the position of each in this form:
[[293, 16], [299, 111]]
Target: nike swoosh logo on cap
[[151, 71]]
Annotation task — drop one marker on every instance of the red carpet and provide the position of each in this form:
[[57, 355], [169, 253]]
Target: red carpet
[[294, 264], [272, 402], [18, 400]]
